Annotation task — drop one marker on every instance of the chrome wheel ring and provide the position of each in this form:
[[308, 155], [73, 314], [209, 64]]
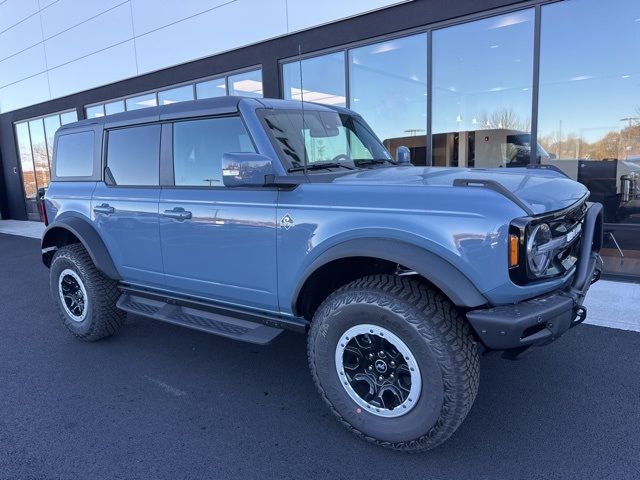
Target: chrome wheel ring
[[378, 371], [73, 295]]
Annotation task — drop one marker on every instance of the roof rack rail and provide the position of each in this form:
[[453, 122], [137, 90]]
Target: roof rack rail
[[496, 187]]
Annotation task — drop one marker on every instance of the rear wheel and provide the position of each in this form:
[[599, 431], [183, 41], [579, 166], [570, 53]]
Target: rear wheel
[[394, 361], [85, 298]]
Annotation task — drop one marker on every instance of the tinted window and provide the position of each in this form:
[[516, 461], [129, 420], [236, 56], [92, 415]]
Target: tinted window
[[133, 155], [198, 147], [74, 155]]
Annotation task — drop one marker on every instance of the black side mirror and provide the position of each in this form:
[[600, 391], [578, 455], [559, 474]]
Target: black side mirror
[[403, 156], [245, 169]]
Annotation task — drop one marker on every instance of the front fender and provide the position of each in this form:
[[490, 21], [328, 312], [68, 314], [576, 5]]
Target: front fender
[[87, 235], [453, 283]]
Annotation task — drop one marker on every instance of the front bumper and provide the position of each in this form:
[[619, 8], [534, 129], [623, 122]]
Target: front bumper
[[543, 319]]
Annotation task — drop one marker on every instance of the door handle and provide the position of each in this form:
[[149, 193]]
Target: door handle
[[178, 213], [104, 208]]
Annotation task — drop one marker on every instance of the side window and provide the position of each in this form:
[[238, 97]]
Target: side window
[[133, 155], [198, 146], [74, 155]]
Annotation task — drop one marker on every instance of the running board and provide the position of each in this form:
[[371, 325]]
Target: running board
[[198, 319]]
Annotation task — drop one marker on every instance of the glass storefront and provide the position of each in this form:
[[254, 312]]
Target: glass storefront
[[322, 80], [482, 87], [482, 100], [387, 83], [589, 112], [34, 139], [388, 87], [248, 84]]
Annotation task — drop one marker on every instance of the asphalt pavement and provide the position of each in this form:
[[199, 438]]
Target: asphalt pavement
[[159, 401]]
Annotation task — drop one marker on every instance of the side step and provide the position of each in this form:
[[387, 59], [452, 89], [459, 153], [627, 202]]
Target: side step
[[197, 319]]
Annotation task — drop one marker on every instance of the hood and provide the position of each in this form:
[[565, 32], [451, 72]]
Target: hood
[[542, 191]]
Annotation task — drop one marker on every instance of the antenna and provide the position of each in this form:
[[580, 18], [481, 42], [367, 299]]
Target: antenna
[[304, 145]]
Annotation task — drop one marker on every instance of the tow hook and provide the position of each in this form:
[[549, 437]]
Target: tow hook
[[581, 315]]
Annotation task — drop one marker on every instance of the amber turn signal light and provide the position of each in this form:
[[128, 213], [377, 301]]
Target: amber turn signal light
[[513, 251]]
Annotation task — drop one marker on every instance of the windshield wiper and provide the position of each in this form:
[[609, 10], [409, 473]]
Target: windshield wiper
[[373, 161], [320, 166]]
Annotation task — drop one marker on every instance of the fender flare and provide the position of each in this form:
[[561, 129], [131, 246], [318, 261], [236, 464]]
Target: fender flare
[[88, 236], [453, 283]]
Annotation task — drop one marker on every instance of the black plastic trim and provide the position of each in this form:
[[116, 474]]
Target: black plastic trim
[[295, 324], [453, 283], [496, 187], [89, 238]]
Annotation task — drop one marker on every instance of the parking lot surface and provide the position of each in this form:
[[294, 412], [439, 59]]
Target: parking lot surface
[[159, 401]]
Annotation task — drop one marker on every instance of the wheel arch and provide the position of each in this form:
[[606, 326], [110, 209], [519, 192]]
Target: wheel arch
[[72, 229], [353, 259]]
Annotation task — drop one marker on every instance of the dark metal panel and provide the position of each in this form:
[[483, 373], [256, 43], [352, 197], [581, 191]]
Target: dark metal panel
[[535, 87]]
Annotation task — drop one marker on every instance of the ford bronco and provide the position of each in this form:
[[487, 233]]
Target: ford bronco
[[246, 217]]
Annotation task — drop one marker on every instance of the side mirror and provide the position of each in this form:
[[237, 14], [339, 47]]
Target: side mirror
[[245, 169], [403, 156]]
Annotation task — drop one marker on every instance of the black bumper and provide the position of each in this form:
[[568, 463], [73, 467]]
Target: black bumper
[[543, 319]]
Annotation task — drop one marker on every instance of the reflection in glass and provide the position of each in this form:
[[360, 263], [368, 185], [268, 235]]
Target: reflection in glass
[[39, 152], [114, 107], [482, 82], [95, 111], [173, 95], [68, 117], [323, 80], [26, 159], [388, 86], [212, 88], [198, 147], [51, 124], [589, 112], [142, 101], [246, 84]]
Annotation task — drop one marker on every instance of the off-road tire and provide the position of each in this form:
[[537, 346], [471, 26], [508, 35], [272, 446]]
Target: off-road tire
[[102, 318], [438, 337]]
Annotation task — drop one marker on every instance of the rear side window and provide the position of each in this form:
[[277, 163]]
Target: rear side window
[[133, 155], [198, 146], [74, 155]]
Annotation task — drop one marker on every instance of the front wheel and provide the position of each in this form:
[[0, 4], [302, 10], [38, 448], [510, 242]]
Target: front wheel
[[394, 361]]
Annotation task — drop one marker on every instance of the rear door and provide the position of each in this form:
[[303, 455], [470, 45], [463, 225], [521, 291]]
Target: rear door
[[125, 205], [217, 242]]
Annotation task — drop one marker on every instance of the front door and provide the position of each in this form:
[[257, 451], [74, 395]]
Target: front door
[[217, 243], [125, 208]]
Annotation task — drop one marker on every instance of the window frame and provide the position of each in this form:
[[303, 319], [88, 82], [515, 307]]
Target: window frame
[[96, 176]]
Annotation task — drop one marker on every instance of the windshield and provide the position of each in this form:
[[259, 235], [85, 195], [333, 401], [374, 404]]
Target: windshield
[[322, 138]]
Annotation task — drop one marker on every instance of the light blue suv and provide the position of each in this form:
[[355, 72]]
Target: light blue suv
[[246, 217]]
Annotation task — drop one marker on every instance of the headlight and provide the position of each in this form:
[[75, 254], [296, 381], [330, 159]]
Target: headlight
[[538, 261]]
